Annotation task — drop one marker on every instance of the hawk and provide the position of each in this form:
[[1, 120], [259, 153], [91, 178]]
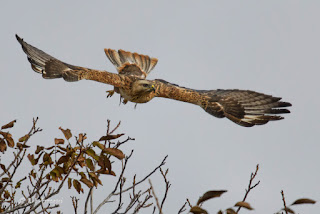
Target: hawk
[[244, 107]]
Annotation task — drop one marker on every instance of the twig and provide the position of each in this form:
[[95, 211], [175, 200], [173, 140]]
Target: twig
[[116, 187], [168, 185], [146, 177], [253, 175], [183, 208], [75, 204], [284, 202], [155, 197]]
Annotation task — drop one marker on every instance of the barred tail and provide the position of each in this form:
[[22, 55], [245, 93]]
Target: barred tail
[[246, 108], [48, 66]]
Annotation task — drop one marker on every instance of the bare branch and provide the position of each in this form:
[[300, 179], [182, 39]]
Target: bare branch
[[155, 197], [284, 202], [250, 187]]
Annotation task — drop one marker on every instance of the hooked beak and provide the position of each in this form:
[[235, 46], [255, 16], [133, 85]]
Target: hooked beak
[[153, 88]]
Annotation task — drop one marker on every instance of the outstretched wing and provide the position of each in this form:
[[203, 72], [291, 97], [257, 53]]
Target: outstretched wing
[[246, 108], [132, 64], [51, 68]]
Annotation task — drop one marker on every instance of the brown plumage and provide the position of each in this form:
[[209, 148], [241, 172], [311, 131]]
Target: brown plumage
[[244, 107]]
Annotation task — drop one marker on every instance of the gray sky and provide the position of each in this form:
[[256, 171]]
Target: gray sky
[[270, 46]]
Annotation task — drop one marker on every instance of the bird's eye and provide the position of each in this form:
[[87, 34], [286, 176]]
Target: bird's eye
[[145, 85]]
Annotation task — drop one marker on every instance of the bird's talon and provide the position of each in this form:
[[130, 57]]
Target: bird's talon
[[110, 93]]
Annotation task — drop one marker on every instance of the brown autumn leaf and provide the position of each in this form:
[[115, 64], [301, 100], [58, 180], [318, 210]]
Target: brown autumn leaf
[[6, 179], [62, 148], [66, 132], [69, 183], [3, 145], [110, 137], [89, 164], [24, 138], [47, 159], [63, 159], [77, 186], [197, 210], [9, 125], [99, 145], [33, 174], [244, 205], [114, 152], [86, 182], [6, 194], [81, 138], [210, 194], [58, 141], [94, 178], [22, 146], [104, 162], [39, 149], [31, 159], [230, 211], [288, 210], [8, 138], [92, 154], [49, 148], [54, 176], [3, 167], [304, 201]]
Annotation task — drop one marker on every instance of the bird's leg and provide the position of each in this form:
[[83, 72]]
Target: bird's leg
[[124, 101], [110, 93]]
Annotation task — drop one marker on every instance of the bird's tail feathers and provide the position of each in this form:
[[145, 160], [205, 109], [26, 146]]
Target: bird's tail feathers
[[122, 58], [246, 108]]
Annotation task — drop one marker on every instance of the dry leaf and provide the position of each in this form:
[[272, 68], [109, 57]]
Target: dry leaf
[[110, 137], [39, 149], [63, 159], [198, 210], [69, 183], [86, 182], [66, 132], [244, 205], [230, 211], [114, 152], [89, 164], [9, 125], [22, 146], [24, 138], [92, 154], [3, 167], [288, 210], [104, 162], [31, 159], [58, 141], [96, 143], [304, 201], [210, 194], [77, 186], [81, 138], [3, 145]]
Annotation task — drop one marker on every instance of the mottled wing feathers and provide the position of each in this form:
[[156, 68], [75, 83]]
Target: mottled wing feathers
[[133, 64], [51, 67], [45, 64], [246, 108]]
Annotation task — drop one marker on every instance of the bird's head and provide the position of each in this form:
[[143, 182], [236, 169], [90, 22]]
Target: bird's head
[[143, 87]]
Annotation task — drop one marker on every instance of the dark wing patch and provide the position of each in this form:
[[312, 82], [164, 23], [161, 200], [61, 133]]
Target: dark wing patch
[[246, 108]]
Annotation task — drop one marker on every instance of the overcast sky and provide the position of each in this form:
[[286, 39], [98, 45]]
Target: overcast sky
[[266, 46]]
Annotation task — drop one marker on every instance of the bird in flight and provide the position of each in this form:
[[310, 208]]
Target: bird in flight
[[244, 107]]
